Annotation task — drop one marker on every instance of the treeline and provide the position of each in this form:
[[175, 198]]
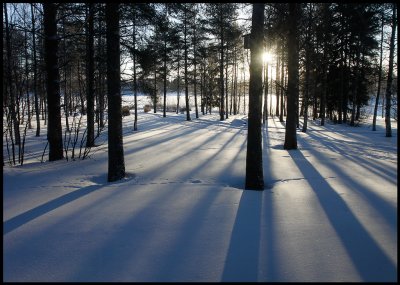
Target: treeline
[[345, 55]]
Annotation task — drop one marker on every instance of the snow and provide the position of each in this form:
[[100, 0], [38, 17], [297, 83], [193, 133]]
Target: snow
[[328, 213]]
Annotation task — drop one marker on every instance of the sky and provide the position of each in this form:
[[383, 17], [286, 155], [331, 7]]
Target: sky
[[328, 211]]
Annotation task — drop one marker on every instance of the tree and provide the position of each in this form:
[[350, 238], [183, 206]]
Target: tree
[[186, 11], [90, 77], [35, 72], [13, 119], [325, 50], [116, 164], [254, 166], [219, 19], [54, 130], [390, 74], [141, 15], [307, 63], [293, 78]]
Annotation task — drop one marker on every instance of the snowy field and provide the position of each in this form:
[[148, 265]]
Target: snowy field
[[328, 213]]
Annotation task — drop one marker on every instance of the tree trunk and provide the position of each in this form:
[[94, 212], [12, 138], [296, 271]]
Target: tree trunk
[[35, 73], [390, 75], [165, 65], [54, 130], [27, 79], [155, 90], [270, 97], [226, 88], [282, 83], [14, 119], [65, 67], [178, 85], [221, 67], [134, 72], [195, 74], [186, 71], [265, 110], [378, 92], [102, 72], [277, 89], [355, 88], [116, 164], [293, 78], [235, 86], [80, 86], [202, 82], [254, 165], [90, 78], [307, 71]]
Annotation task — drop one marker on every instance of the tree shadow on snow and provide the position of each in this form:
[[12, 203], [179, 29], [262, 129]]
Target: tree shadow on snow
[[245, 254], [26, 217], [370, 261]]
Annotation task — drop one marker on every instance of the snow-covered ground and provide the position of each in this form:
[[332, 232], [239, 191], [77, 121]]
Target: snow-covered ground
[[328, 213]]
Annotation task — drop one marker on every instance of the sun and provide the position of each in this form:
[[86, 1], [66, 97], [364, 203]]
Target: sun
[[268, 57]]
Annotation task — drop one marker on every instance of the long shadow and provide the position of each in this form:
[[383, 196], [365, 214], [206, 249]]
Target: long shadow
[[234, 162], [181, 250], [214, 157], [165, 166], [356, 157], [242, 261], [26, 217], [268, 230], [131, 239], [245, 253], [180, 134], [382, 206], [231, 181], [370, 261]]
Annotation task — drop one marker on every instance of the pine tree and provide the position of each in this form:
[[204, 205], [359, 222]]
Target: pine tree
[[54, 130], [390, 74], [90, 76], [293, 77], [254, 165], [116, 164]]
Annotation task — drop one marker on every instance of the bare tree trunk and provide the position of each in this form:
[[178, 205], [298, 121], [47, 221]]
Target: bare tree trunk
[[178, 84], [35, 73], [27, 78], [14, 120], [265, 110], [235, 86], [134, 71], [186, 71], [54, 129], [116, 164], [65, 67], [194, 73], [155, 90], [355, 88], [102, 81], [254, 165], [90, 78], [202, 87], [226, 88], [165, 65], [390, 74], [378, 92], [282, 83], [293, 78], [221, 67], [277, 89]]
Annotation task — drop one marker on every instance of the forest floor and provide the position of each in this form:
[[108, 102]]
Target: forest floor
[[328, 213]]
